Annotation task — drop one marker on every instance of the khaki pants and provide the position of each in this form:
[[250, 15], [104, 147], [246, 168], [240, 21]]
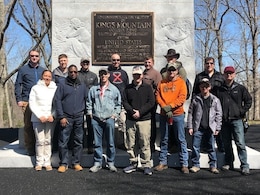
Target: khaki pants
[[138, 136], [29, 137]]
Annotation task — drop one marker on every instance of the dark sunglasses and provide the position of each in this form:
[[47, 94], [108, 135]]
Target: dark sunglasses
[[115, 60], [209, 63], [34, 56], [74, 72]]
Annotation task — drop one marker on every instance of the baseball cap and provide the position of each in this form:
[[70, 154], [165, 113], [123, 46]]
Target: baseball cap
[[137, 70], [229, 69]]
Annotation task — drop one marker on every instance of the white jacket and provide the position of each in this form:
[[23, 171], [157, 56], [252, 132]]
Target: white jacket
[[40, 100]]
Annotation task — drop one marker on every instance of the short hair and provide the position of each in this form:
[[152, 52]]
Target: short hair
[[71, 66], [46, 71], [62, 56], [37, 50], [149, 57], [209, 58]]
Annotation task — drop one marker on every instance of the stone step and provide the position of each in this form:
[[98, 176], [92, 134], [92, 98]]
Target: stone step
[[13, 155]]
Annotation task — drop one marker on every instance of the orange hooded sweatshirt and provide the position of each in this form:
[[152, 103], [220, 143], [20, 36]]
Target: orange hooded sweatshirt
[[172, 93]]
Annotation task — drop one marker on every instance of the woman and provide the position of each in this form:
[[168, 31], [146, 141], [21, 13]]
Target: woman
[[40, 102]]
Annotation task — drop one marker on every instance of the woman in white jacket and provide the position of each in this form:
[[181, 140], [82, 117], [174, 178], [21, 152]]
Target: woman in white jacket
[[40, 102]]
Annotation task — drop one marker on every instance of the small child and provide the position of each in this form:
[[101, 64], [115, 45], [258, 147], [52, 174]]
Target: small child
[[204, 121]]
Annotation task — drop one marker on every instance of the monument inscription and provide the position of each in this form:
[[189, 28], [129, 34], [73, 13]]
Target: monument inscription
[[130, 34]]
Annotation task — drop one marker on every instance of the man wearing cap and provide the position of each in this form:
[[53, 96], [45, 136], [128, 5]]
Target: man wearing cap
[[103, 107], [90, 79], [171, 95], [119, 78], [138, 101], [204, 122], [70, 100], [236, 101], [216, 80]]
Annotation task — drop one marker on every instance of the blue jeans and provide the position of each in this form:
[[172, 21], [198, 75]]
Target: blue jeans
[[107, 128], [74, 126], [235, 129], [208, 137], [179, 132]]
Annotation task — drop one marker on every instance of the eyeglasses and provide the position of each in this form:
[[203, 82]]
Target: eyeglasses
[[115, 60], [209, 63], [73, 72], [34, 56]]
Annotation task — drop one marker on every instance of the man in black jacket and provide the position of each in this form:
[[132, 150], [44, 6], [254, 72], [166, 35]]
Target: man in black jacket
[[236, 101], [138, 101]]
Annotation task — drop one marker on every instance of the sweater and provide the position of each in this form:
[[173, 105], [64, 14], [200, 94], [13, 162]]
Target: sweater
[[172, 93]]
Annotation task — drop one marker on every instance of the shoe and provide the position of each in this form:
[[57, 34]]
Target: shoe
[[77, 167], [245, 171], [160, 167], [148, 171], [185, 170], [48, 168], [112, 168], [130, 169], [38, 168], [226, 167], [95, 168], [214, 170], [194, 169], [62, 169]]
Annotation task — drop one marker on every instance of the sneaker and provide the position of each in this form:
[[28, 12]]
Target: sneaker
[[38, 168], [48, 168], [194, 169], [185, 170], [112, 168], [226, 167], [214, 170], [245, 171], [148, 171], [160, 167], [95, 168], [130, 169], [62, 169], [77, 167]]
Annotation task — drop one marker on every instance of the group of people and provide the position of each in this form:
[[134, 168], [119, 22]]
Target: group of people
[[57, 104]]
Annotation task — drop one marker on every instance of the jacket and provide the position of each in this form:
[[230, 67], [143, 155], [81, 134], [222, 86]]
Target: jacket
[[172, 93], [196, 109], [141, 98], [108, 106], [70, 98], [27, 77], [89, 78], [235, 101], [41, 100], [216, 80]]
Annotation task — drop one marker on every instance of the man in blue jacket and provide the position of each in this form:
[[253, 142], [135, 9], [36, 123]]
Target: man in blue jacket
[[28, 76], [70, 100]]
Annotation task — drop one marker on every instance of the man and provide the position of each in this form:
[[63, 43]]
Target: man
[[70, 100], [28, 76], [138, 101], [119, 78], [204, 121], [61, 72], [171, 95], [152, 77], [172, 57], [216, 80], [89, 79], [235, 101], [104, 106]]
